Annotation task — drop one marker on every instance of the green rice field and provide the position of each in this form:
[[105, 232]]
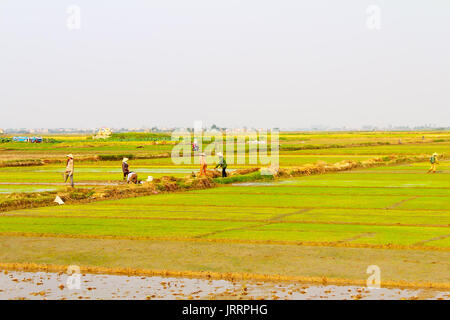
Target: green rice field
[[331, 225], [351, 207]]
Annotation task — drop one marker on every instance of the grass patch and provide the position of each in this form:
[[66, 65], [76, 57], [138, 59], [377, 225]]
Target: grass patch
[[254, 176]]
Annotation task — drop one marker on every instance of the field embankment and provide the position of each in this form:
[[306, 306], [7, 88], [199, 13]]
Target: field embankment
[[172, 184]]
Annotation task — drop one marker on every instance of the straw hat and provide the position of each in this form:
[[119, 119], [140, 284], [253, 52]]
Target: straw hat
[[435, 154], [219, 154], [125, 159], [203, 154], [70, 155]]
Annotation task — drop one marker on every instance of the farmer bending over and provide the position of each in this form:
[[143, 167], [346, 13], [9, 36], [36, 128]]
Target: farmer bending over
[[132, 177]]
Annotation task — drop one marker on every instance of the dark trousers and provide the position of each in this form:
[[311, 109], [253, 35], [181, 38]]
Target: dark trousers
[[224, 173]]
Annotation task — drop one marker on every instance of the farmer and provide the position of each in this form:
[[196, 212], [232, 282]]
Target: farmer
[[125, 169], [195, 146], [203, 164], [132, 177], [223, 164], [433, 161], [69, 169]]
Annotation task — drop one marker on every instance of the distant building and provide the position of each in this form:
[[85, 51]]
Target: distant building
[[103, 133]]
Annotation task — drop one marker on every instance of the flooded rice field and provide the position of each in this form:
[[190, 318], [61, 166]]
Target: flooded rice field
[[41, 285], [7, 189]]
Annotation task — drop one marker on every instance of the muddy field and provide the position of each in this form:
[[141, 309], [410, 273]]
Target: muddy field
[[41, 286]]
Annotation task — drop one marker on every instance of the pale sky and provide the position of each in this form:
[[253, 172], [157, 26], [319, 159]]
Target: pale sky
[[284, 63]]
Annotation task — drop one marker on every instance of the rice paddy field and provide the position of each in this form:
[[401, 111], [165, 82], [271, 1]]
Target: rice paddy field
[[323, 229]]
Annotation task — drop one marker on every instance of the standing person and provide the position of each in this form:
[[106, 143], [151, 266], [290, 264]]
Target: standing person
[[69, 169], [125, 168], [223, 164], [203, 164], [433, 162]]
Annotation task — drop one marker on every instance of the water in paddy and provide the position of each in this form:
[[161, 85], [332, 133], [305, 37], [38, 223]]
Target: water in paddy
[[5, 189], [41, 285]]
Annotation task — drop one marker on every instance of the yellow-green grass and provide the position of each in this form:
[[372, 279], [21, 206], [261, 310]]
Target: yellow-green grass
[[208, 228], [285, 159], [427, 135], [420, 167], [237, 228], [252, 214], [307, 226], [111, 170], [114, 227], [101, 209], [374, 216], [413, 266], [412, 143], [429, 203], [275, 201], [375, 178], [86, 147], [379, 235], [439, 147], [58, 152], [283, 211], [299, 190], [83, 173]]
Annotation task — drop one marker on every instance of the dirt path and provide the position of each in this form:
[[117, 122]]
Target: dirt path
[[397, 204]]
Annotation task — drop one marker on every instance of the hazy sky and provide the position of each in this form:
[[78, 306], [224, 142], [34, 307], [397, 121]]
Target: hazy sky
[[284, 63]]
